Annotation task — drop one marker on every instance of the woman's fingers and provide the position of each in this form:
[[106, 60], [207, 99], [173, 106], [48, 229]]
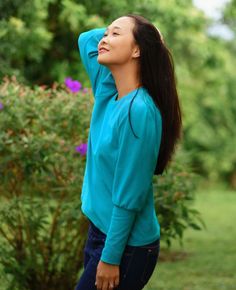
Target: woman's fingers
[[111, 285], [105, 285], [117, 281], [98, 284], [107, 276]]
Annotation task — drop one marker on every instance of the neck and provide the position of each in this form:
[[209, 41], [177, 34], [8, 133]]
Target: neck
[[126, 78]]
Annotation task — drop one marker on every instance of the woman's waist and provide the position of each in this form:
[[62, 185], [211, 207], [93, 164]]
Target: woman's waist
[[138, 237]]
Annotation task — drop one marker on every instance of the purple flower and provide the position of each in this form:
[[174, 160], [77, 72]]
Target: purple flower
[[82, 148], [73, 85], [1, 106]]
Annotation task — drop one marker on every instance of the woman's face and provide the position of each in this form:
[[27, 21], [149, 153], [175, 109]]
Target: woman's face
[[118, 45]]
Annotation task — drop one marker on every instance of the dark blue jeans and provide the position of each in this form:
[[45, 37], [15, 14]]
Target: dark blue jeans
[[136, 267]]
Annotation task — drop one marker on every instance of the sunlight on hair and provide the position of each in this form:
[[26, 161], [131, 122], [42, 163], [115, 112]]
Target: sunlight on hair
[[162, 39]]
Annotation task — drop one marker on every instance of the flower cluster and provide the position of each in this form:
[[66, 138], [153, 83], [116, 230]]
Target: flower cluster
[[1, 106], [82, 148], [73, 85]]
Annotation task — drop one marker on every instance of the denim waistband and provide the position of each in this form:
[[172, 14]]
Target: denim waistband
[[95, 229]]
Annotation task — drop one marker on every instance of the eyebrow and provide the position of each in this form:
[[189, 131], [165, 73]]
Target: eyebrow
[[114, 27]]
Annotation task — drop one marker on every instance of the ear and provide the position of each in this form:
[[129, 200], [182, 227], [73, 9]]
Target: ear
[[136, 52]]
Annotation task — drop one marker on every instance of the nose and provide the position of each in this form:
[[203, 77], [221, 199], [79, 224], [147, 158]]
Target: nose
[[104, 40]]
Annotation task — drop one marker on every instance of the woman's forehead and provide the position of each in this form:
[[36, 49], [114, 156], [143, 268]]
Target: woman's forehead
[[122, 23]]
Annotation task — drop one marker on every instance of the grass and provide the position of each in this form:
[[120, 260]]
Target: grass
[[207, 260]]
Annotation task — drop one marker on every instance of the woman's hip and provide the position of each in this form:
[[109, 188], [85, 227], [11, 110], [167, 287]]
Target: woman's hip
[[137, 262]]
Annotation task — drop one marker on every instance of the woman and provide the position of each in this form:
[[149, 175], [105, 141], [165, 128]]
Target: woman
[[135, 124]]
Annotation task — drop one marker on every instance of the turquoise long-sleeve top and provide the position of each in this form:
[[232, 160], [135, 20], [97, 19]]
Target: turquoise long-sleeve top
[[117, 190]]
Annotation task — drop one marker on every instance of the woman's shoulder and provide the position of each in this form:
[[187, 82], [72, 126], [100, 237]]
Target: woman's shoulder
[[141, 109], [145, 104]]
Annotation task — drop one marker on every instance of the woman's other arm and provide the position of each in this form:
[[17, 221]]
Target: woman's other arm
[[132, 178]]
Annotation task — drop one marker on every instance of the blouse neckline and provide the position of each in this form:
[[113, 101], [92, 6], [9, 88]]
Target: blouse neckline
[[115, 100]]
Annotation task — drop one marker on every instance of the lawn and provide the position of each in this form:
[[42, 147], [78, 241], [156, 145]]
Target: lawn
[[207, 261]]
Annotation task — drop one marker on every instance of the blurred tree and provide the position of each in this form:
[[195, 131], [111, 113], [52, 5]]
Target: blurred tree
[[39, 45], [24, 37], [45, 48], [230, 15]]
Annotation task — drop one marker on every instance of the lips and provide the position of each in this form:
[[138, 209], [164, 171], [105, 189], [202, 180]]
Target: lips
[[102, 50]]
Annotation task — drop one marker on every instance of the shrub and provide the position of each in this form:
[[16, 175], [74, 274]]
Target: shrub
[[42, 242], [41, 130], [174, 194], [42, 229]]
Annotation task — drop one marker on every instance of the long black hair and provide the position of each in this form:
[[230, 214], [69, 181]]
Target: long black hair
[[158, 77]]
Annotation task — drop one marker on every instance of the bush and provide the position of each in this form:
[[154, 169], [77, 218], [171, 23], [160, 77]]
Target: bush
[[42, 149], [41, 131], [174, 197], [42, 242], [42, 228]]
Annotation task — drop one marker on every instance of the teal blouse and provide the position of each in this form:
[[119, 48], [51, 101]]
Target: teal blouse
[[117, 191]]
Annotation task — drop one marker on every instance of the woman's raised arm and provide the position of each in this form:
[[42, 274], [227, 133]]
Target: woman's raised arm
[[99, 74]]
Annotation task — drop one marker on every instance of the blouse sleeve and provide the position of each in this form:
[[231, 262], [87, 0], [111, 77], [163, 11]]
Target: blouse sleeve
[[134, 170], [88, 46]]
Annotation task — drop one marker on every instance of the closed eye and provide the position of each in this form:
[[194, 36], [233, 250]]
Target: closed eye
[[114, 33]]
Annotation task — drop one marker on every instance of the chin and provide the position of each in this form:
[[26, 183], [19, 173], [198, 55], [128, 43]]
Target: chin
[[101, 60]]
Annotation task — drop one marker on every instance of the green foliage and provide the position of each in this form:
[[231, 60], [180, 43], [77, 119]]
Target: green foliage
[[24, 36], [174, 196], [210, 115], [40, 130], [230, 14], [42, 229], [41, 241], [39, 45], [39, 39], [41, 226]]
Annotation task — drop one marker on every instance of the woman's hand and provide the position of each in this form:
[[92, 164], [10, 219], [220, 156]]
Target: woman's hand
[[107, 277]]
